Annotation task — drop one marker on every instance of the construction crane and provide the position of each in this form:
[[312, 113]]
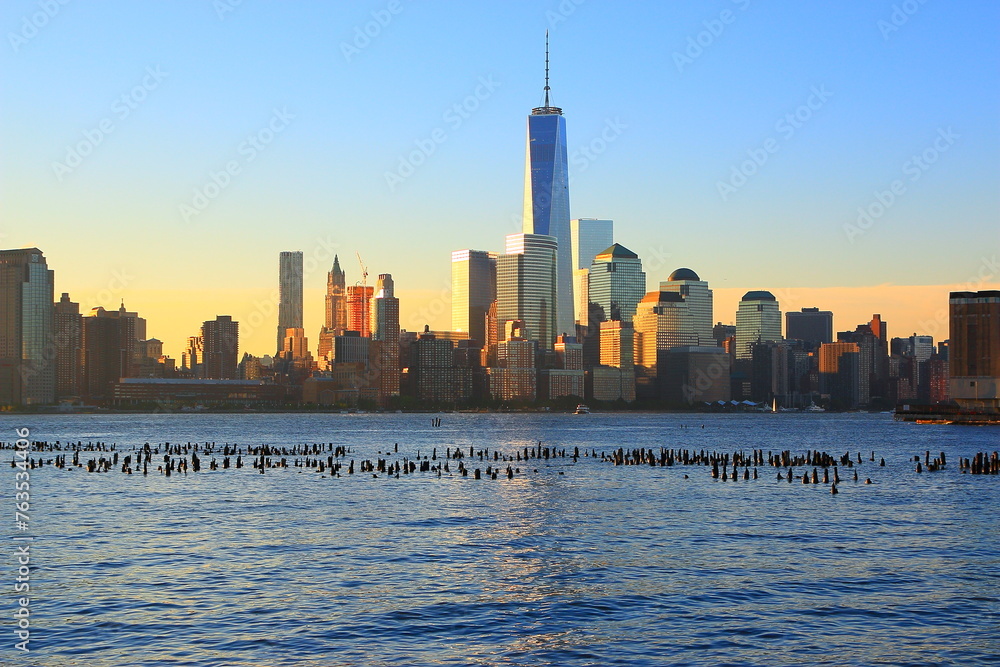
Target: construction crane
[[364, 271]]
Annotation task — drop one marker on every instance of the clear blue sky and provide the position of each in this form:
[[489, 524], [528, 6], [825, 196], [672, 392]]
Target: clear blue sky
[[672, 130]]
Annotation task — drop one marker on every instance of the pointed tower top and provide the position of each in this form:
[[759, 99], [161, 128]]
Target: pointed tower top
[[546, 110], [336, 263], [546, 68]]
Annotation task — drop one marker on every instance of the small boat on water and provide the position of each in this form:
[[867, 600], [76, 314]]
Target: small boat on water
[[582, 410], [812, 407]]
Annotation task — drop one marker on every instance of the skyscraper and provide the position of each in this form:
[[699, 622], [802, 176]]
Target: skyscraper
[[335, 320], [588, 237], [974, 350], [616, 282], [526, 286], [290, 294], [699, 299], [220, 344], [662, 321], [546, 196], [68, 323], [812, 326], [27, 369], [359, 308], [385, 328], [473, 289], [758, 319]]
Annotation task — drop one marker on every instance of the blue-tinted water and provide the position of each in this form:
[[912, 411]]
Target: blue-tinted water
[[600, 565]]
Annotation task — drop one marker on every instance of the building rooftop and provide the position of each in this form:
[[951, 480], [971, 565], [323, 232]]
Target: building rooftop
[[617, 251], [683, 274], [758, 295]]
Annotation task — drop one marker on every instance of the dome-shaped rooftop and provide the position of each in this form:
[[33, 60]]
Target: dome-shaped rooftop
[[758, 295], [684, 274]]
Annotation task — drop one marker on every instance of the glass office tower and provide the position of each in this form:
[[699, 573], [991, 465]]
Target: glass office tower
[[699, 298], [526, 286], [617, 282], [473, 289], [758, 320], [546, 195]]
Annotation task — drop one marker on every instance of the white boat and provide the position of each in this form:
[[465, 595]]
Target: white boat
[[812, 407], [582, 410]]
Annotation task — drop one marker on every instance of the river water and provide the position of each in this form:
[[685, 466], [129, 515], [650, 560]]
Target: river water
[[579, 563]]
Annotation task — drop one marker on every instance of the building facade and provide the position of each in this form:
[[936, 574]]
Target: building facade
[[27, 358], [616, 282], [588, 237], [473, 290], [699, 299], [974, 349], [758, 319], [546, 198], [526, 286], [289, 294], [220, 343]]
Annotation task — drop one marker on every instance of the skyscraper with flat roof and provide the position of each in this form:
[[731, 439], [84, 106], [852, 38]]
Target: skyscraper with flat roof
[[220, 344], [68, 323], [289, 294], [812, 326], [27, 368], [588, 237], [473, 289], [546, 196], [974, 349], [359, 308], [758, 319], [526, 286]]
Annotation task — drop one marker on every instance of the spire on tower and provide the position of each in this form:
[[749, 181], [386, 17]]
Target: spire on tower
[[546, 68], [546, 110]]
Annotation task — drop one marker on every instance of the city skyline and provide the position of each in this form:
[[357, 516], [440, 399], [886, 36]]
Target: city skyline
[[667, 129]]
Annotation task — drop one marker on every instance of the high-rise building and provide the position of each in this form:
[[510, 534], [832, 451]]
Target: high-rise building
[[758, 319], [68, 324], [722, 332], [699, 299], [839, 369], [104, 357], [812, 326], [515, 377], [385, 328], [193, 356], [662, 321], [696, 374], [617, 282], [473, 289], [974, 349], [614, 378], [289, 294], [220, 343], [335, 320], [546, 198], [132, 329], [27, 368], [526, 286], [359, 309], [588, 237]]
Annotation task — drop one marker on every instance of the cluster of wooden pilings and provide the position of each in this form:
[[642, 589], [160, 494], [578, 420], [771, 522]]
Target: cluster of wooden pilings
[[983, 463]]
